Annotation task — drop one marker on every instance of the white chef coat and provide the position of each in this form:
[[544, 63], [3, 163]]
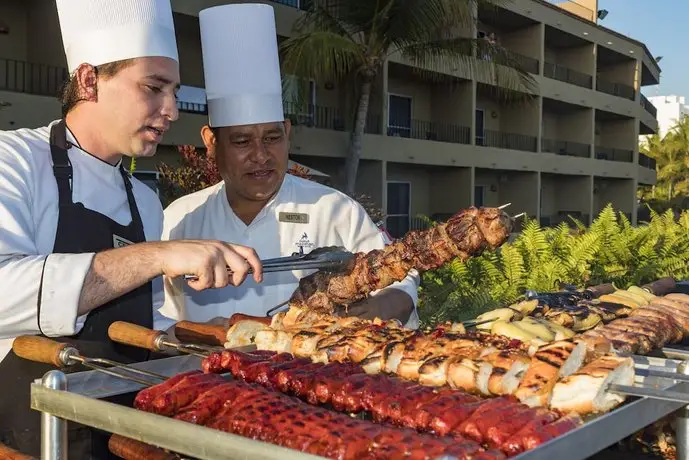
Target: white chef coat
[[334, 219], [28, 226]]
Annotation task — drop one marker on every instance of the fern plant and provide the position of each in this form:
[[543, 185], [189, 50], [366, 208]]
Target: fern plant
[[541, 259]]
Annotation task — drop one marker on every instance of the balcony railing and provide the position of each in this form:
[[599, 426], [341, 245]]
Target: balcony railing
[[31, 78], [650, 108], [373, 124], [315, 116], [432, 131], [615, 89], [299, 4], [647, 162], [562, 73], [527, 63], [612, 154], [503, 140], [574, 149]]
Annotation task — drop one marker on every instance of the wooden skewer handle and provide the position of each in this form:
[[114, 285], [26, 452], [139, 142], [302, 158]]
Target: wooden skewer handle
[[661, 287], [202, 334], [134, 335], [10, 454], [39, 349], [130, 449], [237, 317]]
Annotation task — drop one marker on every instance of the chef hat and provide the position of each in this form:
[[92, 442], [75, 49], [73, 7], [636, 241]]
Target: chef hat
[[241, 65], [103, 31]]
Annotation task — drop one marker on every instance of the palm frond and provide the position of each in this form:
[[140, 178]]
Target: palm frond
[[323, 55]]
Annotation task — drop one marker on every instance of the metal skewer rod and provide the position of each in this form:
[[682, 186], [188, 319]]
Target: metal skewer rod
[[521, 214], [60, 354], [653, 393], [504, 205], [663, 374]]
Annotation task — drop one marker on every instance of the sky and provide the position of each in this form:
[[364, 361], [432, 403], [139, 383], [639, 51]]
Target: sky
[[661, 25]]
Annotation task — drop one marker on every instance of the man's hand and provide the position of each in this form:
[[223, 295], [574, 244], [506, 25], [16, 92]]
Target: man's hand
[[387, 304], [208, 261]]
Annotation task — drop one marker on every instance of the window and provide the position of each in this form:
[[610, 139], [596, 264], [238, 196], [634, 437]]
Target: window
[[150, 178], [300, 99], [479, 195], [399, 116], [398, 208], [480, 127]]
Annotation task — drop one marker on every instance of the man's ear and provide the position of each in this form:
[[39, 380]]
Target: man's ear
[[87, 79], [288, 126], [209, 140]]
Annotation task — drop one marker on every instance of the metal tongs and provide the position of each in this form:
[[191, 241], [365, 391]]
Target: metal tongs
[[329, 258]]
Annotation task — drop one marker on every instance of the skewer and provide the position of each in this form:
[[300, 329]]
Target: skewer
[[653, 393], [59, 354], [504, 206], [149, 339], [521, 214]]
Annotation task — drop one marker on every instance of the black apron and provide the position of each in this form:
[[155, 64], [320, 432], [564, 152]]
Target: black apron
[[79, 230]]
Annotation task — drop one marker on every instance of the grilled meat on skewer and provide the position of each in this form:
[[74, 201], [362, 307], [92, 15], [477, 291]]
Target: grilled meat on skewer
[[466, 234], [444, 412], [259, 413]]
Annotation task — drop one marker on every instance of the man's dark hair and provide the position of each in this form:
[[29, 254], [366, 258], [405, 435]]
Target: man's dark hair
[[71, 94]]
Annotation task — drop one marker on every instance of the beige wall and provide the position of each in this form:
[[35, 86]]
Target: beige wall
[[572, 126], [520, 189], [618, 134], [420, 179], [522, 118], [623, 72], [420, 94], [189, 48], [14, 45], [619, 192], [452, 103], [562, 194], [580, 58], [526, 41], [451, 189]]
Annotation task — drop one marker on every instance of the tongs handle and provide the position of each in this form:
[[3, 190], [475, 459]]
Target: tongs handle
[[40, 349], [135, 335]]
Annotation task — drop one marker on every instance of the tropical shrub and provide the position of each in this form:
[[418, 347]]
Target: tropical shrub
[[542, 259]]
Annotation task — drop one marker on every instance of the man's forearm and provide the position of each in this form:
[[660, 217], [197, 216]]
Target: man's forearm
[[116, 272], [387, 304]]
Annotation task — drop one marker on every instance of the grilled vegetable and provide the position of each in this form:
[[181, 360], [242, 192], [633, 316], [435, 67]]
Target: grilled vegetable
[[500, 314], [614, 298], [532, 326], [512, 331]]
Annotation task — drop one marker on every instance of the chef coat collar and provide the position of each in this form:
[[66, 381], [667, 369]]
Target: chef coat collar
[[97, 163], [278, 198]]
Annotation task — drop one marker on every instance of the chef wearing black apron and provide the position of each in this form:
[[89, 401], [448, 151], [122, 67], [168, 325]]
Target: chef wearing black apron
[[79, 230]]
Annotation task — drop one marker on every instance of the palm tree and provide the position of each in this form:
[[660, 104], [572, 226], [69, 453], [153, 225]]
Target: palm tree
[[336, 40], [671, 155]]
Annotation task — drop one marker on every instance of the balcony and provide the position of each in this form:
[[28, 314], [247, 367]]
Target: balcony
[[647, 162], [431, 131], [562, 73], [31, 78], [613, 154], [650, 108], [526, 63], [299, 4], [574, 149], [504, 140], [315, 116], [615, 89]]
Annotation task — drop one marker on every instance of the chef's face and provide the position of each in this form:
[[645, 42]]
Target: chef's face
[[252, 159], [138, 104]]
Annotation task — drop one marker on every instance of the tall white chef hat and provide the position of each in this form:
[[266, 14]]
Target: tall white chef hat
[[103, 31], [241, 64]]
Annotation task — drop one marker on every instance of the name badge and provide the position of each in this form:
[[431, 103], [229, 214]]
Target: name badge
[[293, 217], [119, 242]]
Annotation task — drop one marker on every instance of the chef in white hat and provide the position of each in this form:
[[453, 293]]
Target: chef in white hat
[[80, 239], [257, 203]]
